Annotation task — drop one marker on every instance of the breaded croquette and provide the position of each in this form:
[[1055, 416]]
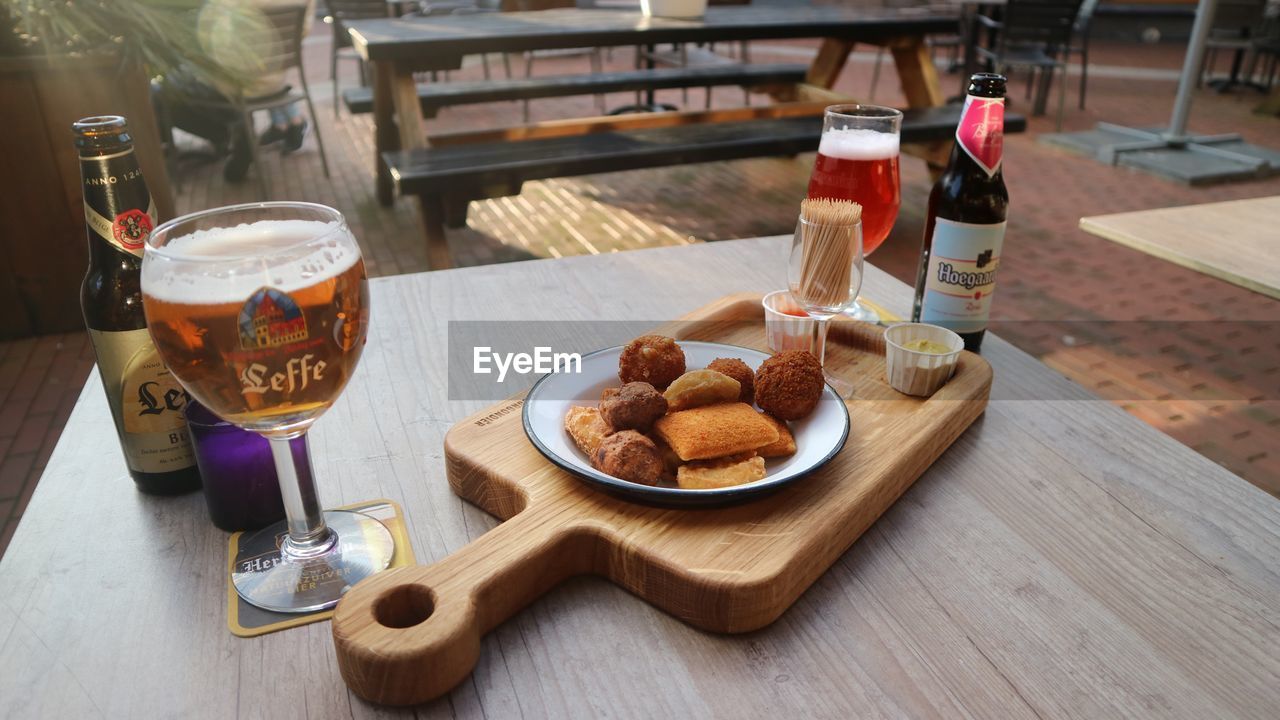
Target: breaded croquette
[[714, 431], [740, 371], [654, 359], [789, 384]]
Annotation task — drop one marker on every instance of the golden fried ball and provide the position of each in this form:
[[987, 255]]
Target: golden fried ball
[[740, 371], [629, 456], [789, 384], [633, 407], [654, 359]]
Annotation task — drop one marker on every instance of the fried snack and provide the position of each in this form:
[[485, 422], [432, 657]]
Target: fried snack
[[634, 407], [701, 387], [629, 456], [671, 462], [784, 445], [654, 359], [608, 393], [714, 431], [724, 472], [587, 428], [789, 384], [740, 371]]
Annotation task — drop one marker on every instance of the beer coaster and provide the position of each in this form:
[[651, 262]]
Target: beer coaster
[[245, 620]]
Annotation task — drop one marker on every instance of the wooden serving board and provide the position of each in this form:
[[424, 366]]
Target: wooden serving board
[[409, 635]]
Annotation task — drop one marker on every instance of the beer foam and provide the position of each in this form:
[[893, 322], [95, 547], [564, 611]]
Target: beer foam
[[858, 144], [228, 264]]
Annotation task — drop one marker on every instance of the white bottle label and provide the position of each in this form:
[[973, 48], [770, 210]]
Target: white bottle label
[[963, 261]]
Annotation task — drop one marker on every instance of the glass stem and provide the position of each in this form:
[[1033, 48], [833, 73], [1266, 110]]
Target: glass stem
[[308, 534], [819, 344]]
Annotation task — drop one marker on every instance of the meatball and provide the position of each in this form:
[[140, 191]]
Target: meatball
[[634, 407], [629, 456], [654, 359], [789, 384], [740, 371]]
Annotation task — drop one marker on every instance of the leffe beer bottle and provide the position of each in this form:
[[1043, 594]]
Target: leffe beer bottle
[[965, 228], [146, 401]]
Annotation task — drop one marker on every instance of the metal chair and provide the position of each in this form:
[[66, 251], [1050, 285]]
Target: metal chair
[[1080, 45], [594, 54], [276, 46], [339, 11], [1235, 24], [1266, 49], [1033, 34]]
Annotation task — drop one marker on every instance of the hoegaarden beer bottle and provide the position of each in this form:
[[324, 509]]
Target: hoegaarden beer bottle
[[965, 228], [146, 401]]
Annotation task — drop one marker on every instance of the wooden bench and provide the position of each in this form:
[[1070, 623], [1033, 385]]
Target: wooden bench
[[433, 96], [472, 166]]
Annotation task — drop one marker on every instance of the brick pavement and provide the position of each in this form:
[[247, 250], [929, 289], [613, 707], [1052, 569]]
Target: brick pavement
[[1189, 354]]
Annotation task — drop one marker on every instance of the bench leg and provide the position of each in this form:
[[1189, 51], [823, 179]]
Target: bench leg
[[386, 138], [935, 154], [828, 63], [432, 212], [920, 85], [919, 76]]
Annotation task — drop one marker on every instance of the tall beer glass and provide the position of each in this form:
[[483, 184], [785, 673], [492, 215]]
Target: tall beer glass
[[858, 161], [260, 311]]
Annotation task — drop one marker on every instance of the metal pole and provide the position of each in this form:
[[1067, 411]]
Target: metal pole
[[1190, 70]]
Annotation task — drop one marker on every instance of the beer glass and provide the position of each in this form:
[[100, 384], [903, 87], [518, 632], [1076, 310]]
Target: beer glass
[[260, 311], [858, 160]]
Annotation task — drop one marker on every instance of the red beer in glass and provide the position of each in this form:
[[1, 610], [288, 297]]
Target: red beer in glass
[[862, 166], [858, 161]]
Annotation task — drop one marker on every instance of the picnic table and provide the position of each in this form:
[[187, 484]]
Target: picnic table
[[397, 48], [1060, 559], [1237, 241]]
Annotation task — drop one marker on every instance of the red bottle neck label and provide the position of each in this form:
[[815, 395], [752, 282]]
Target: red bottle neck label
[[127, 231], [981, 131], [117, 206]]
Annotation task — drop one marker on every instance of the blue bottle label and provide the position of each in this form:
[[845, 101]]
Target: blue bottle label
[[963, 261]]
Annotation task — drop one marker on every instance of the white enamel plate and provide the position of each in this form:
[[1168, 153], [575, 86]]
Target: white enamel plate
[[818, 437]]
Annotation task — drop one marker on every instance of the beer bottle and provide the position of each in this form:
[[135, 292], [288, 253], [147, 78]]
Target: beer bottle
[[965, 227], [146, 401]]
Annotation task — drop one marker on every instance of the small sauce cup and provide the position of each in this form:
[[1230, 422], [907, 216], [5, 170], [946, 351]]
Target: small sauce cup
[[914, 372], [786, 325]]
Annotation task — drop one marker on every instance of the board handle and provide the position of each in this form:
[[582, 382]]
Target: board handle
[[408, 635]]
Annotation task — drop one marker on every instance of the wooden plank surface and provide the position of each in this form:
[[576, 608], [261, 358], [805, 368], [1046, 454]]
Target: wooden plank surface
[[433, 96], [1237, 241], [564, 148], [733, 569], [1061, 560], [428, 40]]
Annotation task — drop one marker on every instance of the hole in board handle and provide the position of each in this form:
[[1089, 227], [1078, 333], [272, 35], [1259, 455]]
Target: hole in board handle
[[404, 606]]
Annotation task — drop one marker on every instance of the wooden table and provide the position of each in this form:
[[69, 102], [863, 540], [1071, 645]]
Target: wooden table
[[397, 48], [1061, 559], [1237, 241]]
